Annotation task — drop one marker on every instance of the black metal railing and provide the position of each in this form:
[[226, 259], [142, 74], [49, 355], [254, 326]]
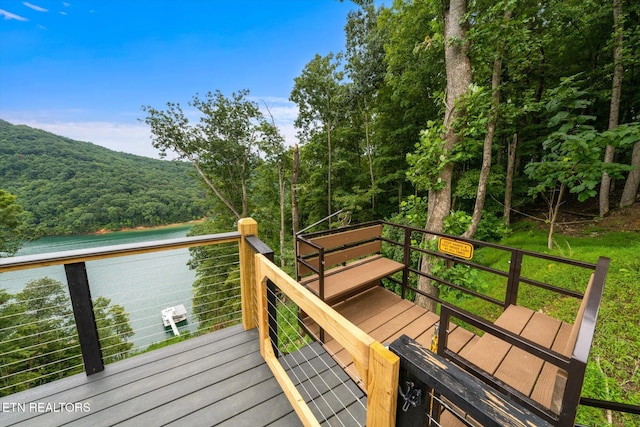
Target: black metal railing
[[414, 246]]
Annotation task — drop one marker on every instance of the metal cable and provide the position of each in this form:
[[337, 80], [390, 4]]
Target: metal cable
[[315, 371]]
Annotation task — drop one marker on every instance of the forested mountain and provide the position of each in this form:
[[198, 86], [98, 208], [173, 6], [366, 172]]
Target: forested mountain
[[68, 186]]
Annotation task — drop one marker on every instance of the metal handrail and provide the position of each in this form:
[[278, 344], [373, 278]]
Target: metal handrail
[[514, 277], [82, 255], [319, 222]]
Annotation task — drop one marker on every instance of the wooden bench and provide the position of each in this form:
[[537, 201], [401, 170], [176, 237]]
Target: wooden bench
[[536, 358], [341, 264]]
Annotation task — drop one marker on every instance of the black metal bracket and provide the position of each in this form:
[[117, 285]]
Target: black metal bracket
[[412, 397]]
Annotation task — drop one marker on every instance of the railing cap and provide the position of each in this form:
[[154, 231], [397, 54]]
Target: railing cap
[[89, 254]]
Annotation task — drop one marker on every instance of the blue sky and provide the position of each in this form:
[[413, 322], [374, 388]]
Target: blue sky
[[83, 68]]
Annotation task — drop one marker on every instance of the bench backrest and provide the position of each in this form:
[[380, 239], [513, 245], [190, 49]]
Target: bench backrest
[[573, 337], [341, 247], [592, 298]]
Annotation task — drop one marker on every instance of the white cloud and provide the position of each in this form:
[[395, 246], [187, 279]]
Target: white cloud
[[284, 114], [34, 7], [9, 15], [65, 4], [133, 138]]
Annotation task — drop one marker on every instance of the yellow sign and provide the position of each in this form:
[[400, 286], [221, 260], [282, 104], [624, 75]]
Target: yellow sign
[[455, 247]]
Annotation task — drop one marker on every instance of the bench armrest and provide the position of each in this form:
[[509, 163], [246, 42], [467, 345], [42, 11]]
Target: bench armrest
[[312, 250], [544, 353]]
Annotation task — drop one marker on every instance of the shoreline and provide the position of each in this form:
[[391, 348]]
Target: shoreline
[[147, 228]]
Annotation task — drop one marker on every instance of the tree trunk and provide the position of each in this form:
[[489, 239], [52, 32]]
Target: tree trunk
[[329, 168], [281, 187], [614, 110], [488, 139], [458, 71], [508, 188], [630, 191], [370, 159], [215, 189], [554, 209], [245, 198], [295, 226]]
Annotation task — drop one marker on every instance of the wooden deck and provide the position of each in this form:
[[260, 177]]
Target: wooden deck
[[215, 379], [385, 317]]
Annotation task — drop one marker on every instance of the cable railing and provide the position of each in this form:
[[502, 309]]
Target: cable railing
[[167, 281], [377, 367], [107, 307], [37, 333], [62, 313], [321, 382]]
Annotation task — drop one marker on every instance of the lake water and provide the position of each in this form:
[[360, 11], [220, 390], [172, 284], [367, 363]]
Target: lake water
[[142, 284]]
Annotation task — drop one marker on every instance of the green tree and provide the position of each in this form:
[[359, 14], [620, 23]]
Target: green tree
[[216, 290], [458, 72], [114, 329], [39, 341], [573, 153], [275, 168], [223, 146], [11, 224], [365, 69], [411, 94], [614, 109], [318, 92]]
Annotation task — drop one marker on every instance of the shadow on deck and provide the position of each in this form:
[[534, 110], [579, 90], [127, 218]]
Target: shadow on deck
[[215, 379]]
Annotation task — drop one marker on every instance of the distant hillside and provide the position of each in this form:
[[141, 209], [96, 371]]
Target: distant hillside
[[70, 186]]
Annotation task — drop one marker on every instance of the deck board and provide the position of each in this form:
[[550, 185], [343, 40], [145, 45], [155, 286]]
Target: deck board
[[521, 369], [215, 379], [543, 390], [489, 352], [381, 314]]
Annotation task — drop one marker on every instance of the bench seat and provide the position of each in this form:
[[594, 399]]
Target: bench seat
[[353, 278], [514, 366], [522, 371]]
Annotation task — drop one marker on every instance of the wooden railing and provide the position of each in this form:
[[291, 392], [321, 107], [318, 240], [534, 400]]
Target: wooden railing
[[376, 365]]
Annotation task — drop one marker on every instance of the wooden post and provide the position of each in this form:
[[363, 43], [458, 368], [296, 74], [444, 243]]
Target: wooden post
[[382, 386], [247, 227]]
